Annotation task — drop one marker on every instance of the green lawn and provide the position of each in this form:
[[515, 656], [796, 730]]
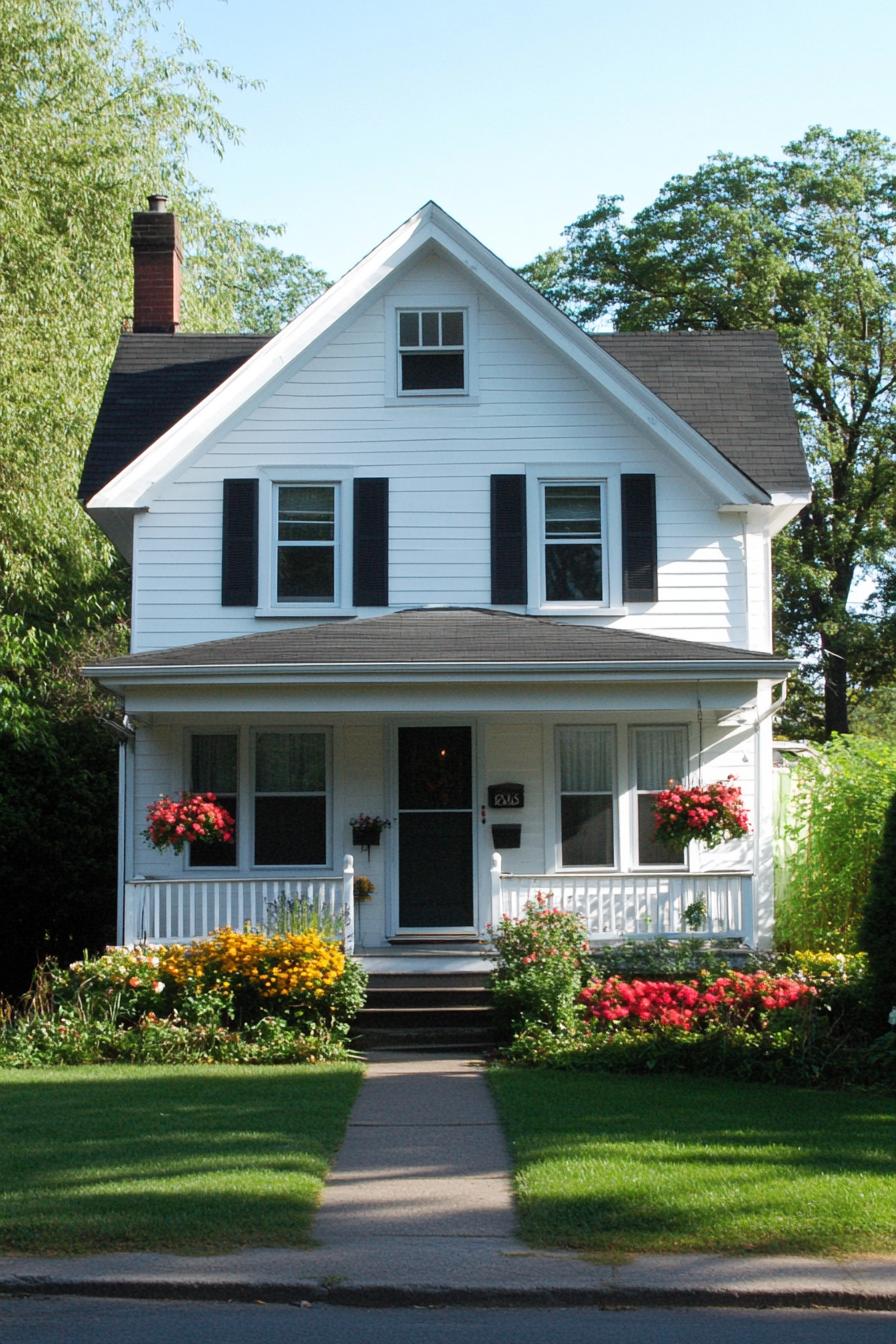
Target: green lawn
[[187, 1158], [622, 1165]]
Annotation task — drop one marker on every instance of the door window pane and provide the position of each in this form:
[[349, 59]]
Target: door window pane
[[586, 773], [214, 768], [660, 756], [434, 768]]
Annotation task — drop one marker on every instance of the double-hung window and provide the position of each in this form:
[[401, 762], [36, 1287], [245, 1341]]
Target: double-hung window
[[307, 532], [432, 354], [586, 779], [214, 768], [291, 770], [660, 755], [574, 551]]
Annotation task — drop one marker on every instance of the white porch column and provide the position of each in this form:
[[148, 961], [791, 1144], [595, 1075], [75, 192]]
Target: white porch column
[[495, 875], [348, 903]]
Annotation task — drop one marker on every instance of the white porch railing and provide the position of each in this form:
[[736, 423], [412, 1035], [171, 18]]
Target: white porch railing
[[159, 910], [634, 905]]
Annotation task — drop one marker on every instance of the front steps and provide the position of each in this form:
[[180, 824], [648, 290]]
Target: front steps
[[444, 1010]]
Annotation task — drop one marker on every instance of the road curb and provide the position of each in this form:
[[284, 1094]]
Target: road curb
[[443, 1295]]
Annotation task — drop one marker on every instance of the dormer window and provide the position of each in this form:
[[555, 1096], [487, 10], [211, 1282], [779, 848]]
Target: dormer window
[[432, 353]]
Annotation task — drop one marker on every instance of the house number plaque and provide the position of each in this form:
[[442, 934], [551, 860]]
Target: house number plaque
[[506, 795]]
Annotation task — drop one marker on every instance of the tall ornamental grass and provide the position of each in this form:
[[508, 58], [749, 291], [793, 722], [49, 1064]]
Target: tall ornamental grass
[[836, 810]]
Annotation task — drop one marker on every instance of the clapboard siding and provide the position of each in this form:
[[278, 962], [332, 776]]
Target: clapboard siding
[[532, 408]]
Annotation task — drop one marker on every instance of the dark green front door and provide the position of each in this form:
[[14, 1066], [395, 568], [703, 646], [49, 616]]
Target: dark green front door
[[435, 828]]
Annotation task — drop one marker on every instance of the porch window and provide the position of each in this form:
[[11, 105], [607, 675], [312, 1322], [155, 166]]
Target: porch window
[[573, 541], [307, 541], [586, 796], [214, 768], [660, 755], [291, 799]]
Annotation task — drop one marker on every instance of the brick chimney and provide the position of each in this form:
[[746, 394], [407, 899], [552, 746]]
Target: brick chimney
[[158, 253]]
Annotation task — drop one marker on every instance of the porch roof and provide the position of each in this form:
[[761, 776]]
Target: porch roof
[[468, 641]]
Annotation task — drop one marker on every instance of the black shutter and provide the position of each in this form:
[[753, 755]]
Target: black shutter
[[509, 559], [639, 539], [370, 554], [239, 549]]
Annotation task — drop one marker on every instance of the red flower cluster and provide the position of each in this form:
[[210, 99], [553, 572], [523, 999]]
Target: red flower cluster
[[733, 998], [710, 814], [194, 817]]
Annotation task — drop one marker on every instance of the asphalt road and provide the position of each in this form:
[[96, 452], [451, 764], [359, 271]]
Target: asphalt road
[[80, 1320]]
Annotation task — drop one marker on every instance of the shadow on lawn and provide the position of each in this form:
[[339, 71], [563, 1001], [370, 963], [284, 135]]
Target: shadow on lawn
[[208, 1158]]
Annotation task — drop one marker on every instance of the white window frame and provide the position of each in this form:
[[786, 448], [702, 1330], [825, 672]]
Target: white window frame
[[636, 792], [284, 729], [270, 481], [559, 865], [245, 833], [608, 478], [469, 393]]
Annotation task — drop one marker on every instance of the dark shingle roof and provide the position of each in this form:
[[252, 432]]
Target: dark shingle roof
[[153, 382], [438, 635], [729, 386], [732, 387]]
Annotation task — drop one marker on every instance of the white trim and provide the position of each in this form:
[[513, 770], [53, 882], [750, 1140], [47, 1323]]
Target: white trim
[[463, 302], [138, 482], [269, 481], [537, 477]]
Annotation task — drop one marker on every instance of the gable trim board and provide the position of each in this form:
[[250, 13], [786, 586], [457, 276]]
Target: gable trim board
[[135, 485]]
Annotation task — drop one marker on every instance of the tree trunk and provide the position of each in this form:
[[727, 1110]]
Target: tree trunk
[[836, 711]]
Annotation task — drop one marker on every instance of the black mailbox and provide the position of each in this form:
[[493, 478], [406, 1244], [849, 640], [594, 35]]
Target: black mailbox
[[506, 795]]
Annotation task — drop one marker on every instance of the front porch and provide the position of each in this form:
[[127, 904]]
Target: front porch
[[613, 906]]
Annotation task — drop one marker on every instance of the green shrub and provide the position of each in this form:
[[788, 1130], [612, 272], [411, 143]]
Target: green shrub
[[877, 934], [836, 814], [664, 958], [542, 962]]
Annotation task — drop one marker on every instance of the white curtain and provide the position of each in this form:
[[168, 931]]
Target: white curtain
[[659, 756], [290, 763], [214, 763], [586, 760]]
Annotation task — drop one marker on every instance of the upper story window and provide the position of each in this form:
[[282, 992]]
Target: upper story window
[[574, 553], [307, 534], [432, 351]]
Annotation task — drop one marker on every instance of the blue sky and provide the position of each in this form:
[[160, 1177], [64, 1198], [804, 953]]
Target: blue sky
[[515, 114]]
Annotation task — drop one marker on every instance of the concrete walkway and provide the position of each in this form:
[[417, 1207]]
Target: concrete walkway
[[418, 1211]]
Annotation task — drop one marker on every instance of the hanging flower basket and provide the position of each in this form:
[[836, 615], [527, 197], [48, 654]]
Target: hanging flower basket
[[366, 830], [195, 818], [710, 813]]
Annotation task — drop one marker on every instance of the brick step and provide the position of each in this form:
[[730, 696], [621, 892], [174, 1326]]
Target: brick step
[[423, 1038], [412, 1019], [419, 996], [422, 980]]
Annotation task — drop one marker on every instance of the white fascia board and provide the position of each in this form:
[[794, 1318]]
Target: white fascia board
[[773, 517], [133, 486], [772, 668]]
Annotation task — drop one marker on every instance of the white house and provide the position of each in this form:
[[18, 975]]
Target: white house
[[433, 553]]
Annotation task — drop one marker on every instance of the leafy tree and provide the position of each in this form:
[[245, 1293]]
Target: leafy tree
[[805, 245], [97, 108], [835, 815]]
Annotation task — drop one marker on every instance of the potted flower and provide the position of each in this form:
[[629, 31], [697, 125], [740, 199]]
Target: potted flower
[[194, 818], [366, 830], [363, 890], [710, 813]]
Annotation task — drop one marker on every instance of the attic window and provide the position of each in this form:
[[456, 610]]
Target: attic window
[[431, 351]]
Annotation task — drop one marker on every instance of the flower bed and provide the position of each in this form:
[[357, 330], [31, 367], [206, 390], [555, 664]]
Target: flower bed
[[230, 997]]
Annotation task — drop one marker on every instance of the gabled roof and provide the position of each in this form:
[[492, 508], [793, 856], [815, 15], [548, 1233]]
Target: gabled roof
[[470, 640], [730, 386], [430, 228], [154, 381]]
